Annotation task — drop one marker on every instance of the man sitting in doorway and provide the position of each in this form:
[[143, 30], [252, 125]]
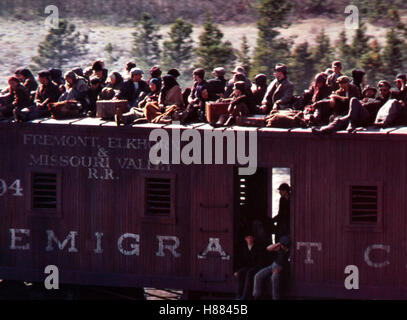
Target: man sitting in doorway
[[250, 260], [273, 272]]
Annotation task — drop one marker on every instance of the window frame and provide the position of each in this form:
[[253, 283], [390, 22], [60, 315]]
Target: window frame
[[167, 219], [46, 213], [361, 227]]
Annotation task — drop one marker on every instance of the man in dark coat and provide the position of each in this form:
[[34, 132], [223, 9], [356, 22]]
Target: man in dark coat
[[250, 259], [279, 92], [93, 94], [197, 99], [400, 82], [230, 84], [217, 85], [46, 93], [283, 217], [134, 89], [18, 98]]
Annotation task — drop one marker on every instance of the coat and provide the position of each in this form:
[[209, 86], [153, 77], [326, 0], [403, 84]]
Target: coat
[[278, 91], [20, 97], [129, 93], [173, 96], [216, 88], [342, 99], [50, 91]]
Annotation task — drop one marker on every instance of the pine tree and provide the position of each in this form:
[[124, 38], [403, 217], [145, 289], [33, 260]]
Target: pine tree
[[392, 55], [243, 55], [211, 51], [60, 47], [146, 41], [322, 52], [109, 49], [371, 63], [178, 49], [271, 50], [360, 45], [301, 67], [344, 51]]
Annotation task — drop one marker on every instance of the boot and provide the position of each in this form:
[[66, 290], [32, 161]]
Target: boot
[[230, 121], [221, 121]]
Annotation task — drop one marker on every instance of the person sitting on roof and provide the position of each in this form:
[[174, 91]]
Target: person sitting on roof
[[361, 113], [135, 89], [17, 98], [332, 80], [46, 93], [197, 99], [138, 112], [76, 88], [279, 92]]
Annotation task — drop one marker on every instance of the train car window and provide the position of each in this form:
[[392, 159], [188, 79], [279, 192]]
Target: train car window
[[158, 196], [364, 204], [45, 193]]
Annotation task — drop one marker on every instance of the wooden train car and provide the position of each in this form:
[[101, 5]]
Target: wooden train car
[[82, 195]]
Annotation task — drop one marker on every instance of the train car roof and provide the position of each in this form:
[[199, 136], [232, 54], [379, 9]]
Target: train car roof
[[97, 122]]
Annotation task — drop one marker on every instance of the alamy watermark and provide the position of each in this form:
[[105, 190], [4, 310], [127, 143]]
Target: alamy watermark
[[168, 150], [352, 21], [52, 21]]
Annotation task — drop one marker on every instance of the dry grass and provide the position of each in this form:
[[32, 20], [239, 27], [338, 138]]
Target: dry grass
[[19, 39]]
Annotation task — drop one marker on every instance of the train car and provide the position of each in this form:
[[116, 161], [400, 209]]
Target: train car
[[84, 195]]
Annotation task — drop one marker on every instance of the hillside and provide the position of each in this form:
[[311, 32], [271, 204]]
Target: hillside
[[19, 39]]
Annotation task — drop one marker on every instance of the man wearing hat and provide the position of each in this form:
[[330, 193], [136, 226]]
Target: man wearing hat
[[239, 70], [279, 93], [273, 272], [283, 216], [400, 81], [134, 89], [218, 84]]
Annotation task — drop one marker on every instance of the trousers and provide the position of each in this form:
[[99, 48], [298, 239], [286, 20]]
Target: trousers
[[264, 275]]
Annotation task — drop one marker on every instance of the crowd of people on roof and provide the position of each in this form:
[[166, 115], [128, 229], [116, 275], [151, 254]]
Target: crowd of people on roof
[[333, 101]]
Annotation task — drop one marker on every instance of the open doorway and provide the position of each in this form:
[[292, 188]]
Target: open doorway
[[279, 176]]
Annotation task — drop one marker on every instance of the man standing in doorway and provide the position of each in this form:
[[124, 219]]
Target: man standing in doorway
[[283, 217]]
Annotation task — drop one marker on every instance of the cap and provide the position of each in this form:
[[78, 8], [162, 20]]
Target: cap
[[285, 241], [281, 68], [220, 70], [240, 85], [199, 72], [174, 72], [337, 64], [367, 88], [260, 79], [384, 83], [155, 71], [239, 69], [136, 71], [343, 79], [284, 186], [402, 77]]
